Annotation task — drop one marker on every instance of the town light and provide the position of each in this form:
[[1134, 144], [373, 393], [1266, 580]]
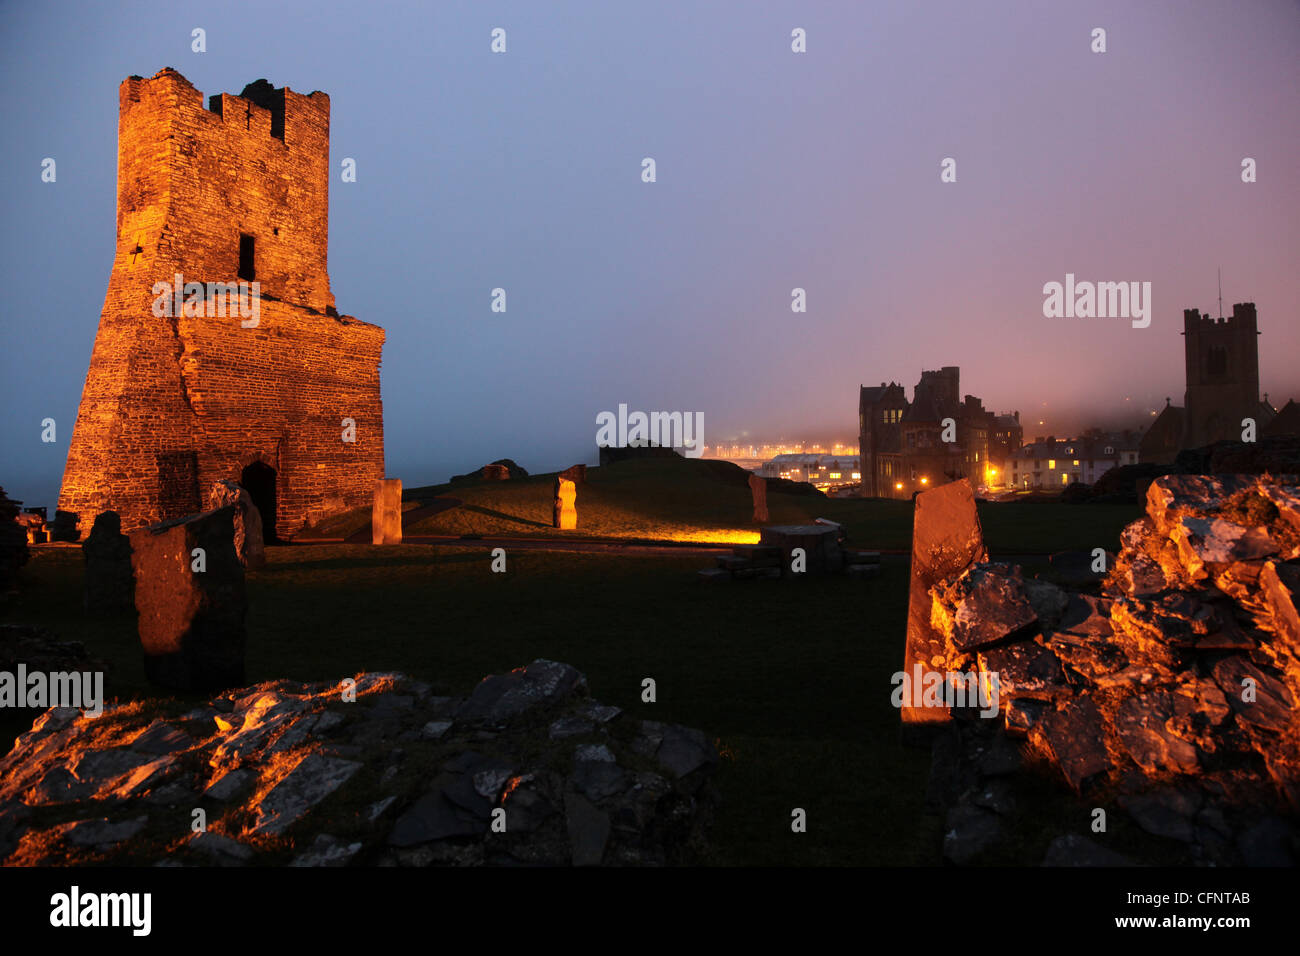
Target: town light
[[925, 481], [898, 485]]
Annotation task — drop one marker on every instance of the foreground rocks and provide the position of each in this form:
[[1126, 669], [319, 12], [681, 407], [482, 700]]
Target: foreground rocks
[[1168, 692], [526, 770]]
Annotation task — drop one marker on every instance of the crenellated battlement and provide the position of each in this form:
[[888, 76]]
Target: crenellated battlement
[[259, 108], [1243, 319], [236, 189]]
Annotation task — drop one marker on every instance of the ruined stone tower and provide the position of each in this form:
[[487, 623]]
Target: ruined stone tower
[[1222, 374], [235, 191]]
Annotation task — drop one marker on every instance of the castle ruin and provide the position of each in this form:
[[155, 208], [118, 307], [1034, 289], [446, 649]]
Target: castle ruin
[[287, 403]]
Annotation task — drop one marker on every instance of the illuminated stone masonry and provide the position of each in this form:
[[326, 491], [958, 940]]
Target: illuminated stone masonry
[[282, 396]]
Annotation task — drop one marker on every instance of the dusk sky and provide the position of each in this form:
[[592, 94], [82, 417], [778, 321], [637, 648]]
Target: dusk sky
[[775, 170]]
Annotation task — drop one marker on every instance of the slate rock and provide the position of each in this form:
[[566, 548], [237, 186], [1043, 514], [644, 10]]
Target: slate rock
[[103, 831], [327, 850], [985, 605], [311, 781], [432, 817], [1073, 737], [1141, 725], [1166, 812], [588, 829], [599, 779], [231, 786], [1280, 587], [570, 727], [1024, 669], [222, 848], [970, 832], [683, 750], [502, 697], [1213, 541], [1273, 707], [1048, 601]]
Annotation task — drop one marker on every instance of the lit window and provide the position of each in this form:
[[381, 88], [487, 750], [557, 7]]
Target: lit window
[[856, 476], [1076, 463], [1065, 479], [1051, 463], [834, 474]]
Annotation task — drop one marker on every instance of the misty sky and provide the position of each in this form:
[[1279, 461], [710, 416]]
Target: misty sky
[[775, 170]]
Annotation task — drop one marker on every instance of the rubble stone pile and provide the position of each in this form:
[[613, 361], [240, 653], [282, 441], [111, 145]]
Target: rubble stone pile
[[525, 770], [1172, 688]]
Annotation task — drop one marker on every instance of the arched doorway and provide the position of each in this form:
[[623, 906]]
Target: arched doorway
[[258, 480]]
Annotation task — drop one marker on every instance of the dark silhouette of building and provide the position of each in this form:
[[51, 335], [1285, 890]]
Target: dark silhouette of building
[[1222, 373], [935, 438]]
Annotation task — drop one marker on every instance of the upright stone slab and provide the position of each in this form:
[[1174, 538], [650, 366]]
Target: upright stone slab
[[946, 539], [758, 489], [565, 515], [192, 622], [109, 582], [249, 541], [386, 515]]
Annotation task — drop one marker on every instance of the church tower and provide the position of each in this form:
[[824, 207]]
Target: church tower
[[1222, 358]]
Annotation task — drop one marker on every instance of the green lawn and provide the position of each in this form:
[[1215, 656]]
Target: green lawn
[[791, 677]]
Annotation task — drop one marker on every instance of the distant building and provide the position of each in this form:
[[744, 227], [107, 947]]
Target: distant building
[[1222, 374], [1050, 464], [1287, 421], [824, 471], [902, 447]]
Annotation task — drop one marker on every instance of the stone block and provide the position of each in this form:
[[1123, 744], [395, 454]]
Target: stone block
[[192, 622], [109, 581], [946, 540], [564, 514], [386, 513], [758, 489]]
